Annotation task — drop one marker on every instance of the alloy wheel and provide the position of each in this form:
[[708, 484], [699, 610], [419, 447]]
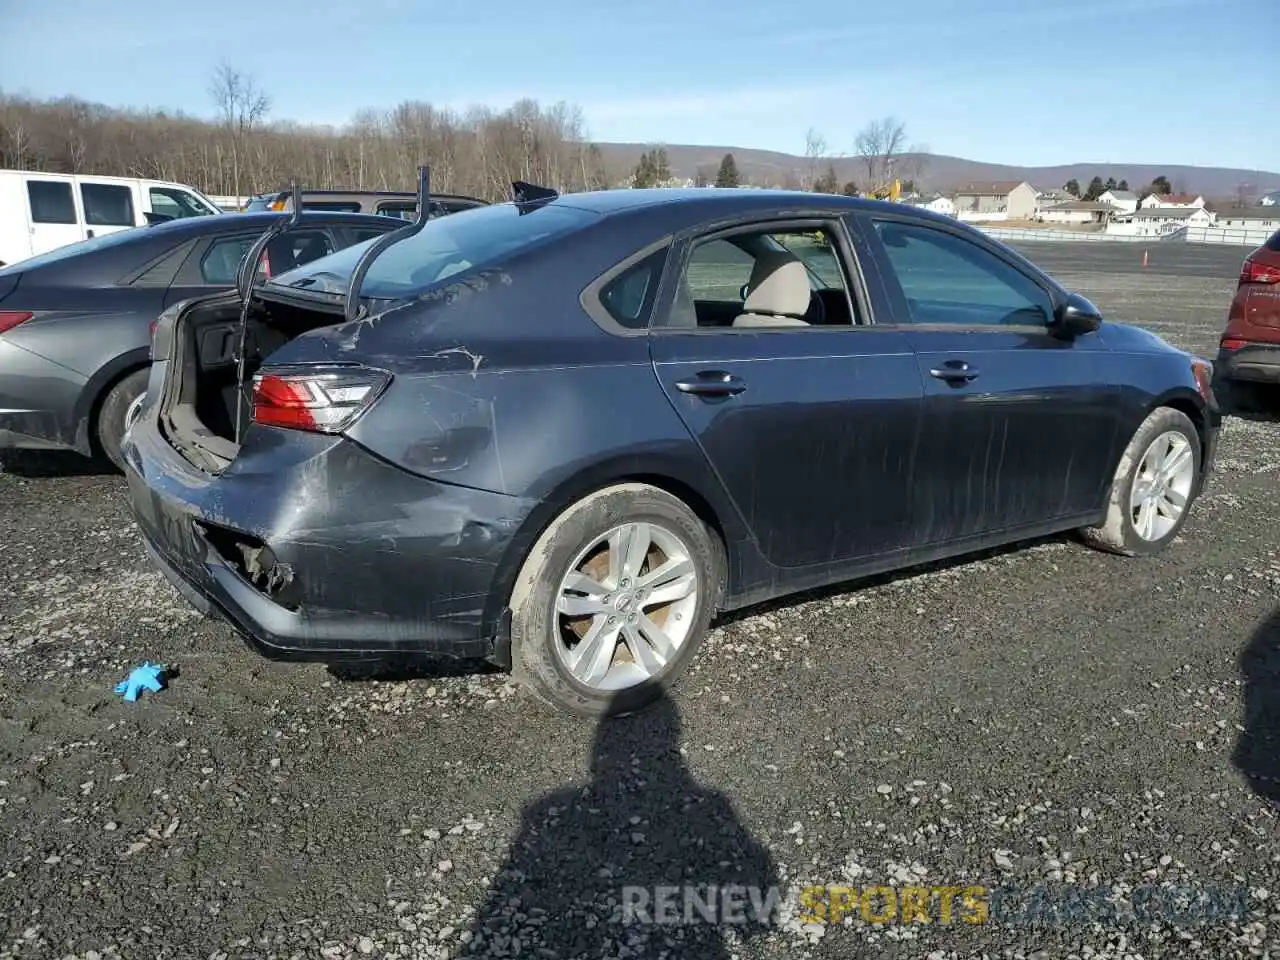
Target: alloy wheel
[[1162, 485], [626, 606]]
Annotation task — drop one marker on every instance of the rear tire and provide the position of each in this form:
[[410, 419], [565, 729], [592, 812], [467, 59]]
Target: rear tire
[[116, 414], [582, 544], [1144, 497]]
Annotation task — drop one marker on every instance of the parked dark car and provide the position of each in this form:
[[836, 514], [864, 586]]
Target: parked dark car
[[387, 203], [1248, 364], [563, 434], [75, 323]]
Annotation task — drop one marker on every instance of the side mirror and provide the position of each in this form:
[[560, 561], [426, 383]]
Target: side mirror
[[1076, 316]]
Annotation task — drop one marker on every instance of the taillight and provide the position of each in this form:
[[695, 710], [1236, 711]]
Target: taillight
[[324, 402], [11, 318], [1231, 343], [1203, 371], [1251, 271], [276, 204]]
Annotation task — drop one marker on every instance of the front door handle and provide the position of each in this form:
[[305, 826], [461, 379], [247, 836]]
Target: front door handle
[[955, 371], [712, 383]]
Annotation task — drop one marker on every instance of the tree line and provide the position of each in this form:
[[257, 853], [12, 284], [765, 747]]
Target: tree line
[[1160, 186], [478, 152]]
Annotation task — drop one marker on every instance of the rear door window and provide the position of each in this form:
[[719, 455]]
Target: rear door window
[[51, 201], [221, 263], [107, 205], [950, 280]]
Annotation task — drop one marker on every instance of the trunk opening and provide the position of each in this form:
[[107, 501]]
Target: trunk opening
[[199, 408]]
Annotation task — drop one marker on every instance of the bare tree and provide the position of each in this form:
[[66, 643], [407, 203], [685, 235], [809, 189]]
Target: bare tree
[[479, 152], [879, 144], [241, 106], [815, 151]]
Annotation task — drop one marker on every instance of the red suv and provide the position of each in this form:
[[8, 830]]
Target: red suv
[[1249, 353]]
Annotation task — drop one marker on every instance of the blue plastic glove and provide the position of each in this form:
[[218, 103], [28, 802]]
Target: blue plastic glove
[[149, 676]]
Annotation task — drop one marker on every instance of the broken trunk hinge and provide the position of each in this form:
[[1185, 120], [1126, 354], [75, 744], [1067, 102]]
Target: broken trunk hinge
[[351, 307], [244, 284]]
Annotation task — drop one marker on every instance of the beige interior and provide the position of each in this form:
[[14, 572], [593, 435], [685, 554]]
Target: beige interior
[[778, 292]]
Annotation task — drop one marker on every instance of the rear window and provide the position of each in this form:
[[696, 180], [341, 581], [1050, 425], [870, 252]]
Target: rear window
[[444, 247], [259, 204]]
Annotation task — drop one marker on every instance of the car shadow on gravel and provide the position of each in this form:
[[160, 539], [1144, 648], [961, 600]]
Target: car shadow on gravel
[[34, 464], [642, 862], [406, 667], [1257, 752], [892, 576]]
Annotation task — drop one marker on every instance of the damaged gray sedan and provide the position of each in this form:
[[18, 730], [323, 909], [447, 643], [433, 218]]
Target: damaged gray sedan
[[563, 433]]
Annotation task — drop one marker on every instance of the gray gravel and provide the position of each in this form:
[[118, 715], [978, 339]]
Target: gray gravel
[[1040, 716]]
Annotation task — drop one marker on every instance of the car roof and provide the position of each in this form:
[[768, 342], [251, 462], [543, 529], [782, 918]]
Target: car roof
[[723, 201], [390, 194]]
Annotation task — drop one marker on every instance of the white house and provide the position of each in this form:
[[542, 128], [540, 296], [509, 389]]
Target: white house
[[1159, 221], [1271, 199], [937, 203], [1124, 200], [1251, 218], [1175, 201], [1079, 212]]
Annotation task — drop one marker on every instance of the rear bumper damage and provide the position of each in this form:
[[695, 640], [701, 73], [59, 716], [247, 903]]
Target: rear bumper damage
[[315, 549]]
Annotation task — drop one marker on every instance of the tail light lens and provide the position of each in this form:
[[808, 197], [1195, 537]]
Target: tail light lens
[[1251, 271], [1203, 370], [277, 204], [319, 401], [1231, 343], [11, 318]]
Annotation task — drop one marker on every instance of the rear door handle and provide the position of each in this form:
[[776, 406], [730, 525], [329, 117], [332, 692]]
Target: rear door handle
[[712, 383], [955, 371]]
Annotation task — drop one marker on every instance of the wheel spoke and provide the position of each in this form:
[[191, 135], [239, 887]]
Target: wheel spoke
[[672, 581], [1175, 500], [656, 638], [1173, 464], [591, 658], [1146, 520], [592, 599], [645, 656], [1141, 490], [628, 546]]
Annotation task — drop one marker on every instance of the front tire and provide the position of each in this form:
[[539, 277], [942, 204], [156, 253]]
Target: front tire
[[1153, 487], [116, 415], [613, 600]]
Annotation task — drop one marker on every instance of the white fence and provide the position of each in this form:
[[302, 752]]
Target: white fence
[[1242, 236]]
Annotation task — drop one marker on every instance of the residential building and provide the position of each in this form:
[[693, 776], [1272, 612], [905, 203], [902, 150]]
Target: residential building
[[1124, 200], [1271, 199], [1051, 198], [1079, 212], [935, 202], [1172, 201], [1252, 218], [1159, 221], [1000, 200]]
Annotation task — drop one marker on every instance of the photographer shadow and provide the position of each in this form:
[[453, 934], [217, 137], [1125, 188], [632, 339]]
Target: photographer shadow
[[643, 858], [1257, 752]]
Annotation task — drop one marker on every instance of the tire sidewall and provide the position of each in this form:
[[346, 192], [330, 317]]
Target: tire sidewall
[[1162, 421], [110, 425], [533, 619]]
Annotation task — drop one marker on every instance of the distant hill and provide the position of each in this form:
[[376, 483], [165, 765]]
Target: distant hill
[[768, 167]]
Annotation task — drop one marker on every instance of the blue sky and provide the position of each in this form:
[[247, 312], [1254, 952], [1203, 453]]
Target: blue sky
[[1016, 81]]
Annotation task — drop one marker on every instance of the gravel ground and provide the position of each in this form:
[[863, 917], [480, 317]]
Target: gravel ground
[[1046, 719]]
